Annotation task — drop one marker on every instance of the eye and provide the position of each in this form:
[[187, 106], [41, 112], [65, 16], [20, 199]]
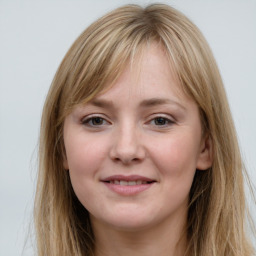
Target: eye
[[94, 121], [161, 121]]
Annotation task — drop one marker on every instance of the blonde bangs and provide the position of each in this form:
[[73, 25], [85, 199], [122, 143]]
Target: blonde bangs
[[100, 54]]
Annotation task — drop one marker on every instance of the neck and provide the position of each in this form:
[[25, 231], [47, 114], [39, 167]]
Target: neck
[[161, 240]]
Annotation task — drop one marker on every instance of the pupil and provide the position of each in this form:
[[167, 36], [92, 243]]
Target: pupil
[[160, 120], [97, 120]]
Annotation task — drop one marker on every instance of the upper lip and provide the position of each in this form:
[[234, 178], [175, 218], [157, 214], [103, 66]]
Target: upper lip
[[127, 178]]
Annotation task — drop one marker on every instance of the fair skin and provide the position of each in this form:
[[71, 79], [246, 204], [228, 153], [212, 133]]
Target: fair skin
[[132, 153]]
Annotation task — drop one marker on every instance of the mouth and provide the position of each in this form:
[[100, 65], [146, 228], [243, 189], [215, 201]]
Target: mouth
[[128, 185]]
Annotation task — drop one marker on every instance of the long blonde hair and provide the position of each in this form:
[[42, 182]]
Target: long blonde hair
[[217, 209]]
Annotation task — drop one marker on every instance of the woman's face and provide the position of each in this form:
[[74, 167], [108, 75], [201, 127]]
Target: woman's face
[[132, 152]]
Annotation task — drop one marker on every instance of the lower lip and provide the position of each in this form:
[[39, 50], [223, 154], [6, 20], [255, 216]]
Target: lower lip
[[128, 190]]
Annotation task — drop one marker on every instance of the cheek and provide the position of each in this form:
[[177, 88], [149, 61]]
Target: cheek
[[178, 151], [85, 158], [84, 155], [176, 159]]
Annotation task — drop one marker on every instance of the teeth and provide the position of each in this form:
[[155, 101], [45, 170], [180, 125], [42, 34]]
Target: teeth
[[132, 183], [123, 183], [127, 183]]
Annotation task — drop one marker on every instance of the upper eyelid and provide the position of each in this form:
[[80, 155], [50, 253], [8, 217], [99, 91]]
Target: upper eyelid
[[94, 115], [169, 121], [163, 115], [148, 118], [87, 122]]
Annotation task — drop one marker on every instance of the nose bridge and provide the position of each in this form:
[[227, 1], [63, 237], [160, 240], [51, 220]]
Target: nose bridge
[[127, 146], [127, 138]]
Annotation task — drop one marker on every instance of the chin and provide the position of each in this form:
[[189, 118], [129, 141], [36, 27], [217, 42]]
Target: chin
[[130, 225], [125, 221]]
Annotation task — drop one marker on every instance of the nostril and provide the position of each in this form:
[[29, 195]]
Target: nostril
[[126, 160], [127, 154]]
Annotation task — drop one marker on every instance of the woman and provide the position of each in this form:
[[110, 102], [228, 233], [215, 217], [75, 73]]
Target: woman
[[138, 151]]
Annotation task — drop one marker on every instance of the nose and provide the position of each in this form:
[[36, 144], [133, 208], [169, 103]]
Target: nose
[[127, 147]]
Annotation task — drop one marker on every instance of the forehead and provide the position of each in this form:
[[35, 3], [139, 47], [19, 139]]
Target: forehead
[[149, 74]]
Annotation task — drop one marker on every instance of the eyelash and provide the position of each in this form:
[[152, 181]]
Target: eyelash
[[89, 121], [100, 121], [167, 121]]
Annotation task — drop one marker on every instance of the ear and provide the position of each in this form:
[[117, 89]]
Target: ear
[[205, 157]]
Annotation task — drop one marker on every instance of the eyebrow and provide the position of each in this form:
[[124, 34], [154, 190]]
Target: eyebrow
[[160, 101], [102, 103], [145, 103]]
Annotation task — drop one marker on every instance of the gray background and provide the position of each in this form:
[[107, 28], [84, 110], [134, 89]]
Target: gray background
[[35, 35]]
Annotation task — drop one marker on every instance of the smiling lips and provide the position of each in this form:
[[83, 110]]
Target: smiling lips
[[128, 185]]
